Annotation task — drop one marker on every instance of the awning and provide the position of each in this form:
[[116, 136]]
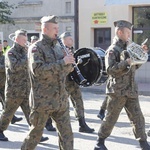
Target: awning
[[127, 2]]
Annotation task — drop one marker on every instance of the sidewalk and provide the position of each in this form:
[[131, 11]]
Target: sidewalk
[[144, 89], [121, 138]]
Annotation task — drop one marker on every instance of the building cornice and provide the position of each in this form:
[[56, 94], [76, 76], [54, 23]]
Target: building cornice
[[37, 19]]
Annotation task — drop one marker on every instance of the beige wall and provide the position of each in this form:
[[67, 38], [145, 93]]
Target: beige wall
[[143, 73], [85, 16]]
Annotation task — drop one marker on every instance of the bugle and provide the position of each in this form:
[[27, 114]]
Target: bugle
[[80, 78]]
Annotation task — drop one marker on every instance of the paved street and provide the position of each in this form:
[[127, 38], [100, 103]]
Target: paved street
[[121, 138]]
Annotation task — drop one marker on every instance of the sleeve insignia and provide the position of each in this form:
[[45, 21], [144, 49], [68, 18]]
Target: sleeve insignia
[[10, 53], [34, 50]]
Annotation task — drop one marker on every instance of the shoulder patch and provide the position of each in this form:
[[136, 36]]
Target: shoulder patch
[[34, 50], [110, 52], [10, 53]]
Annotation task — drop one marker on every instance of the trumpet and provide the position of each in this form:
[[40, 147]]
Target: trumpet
[[81, 79]]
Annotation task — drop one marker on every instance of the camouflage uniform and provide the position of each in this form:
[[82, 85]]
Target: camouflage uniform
[[122, 93], [2, 78], [74, 92], [16, 85], [73, 89], [48, 96], [104, 104]]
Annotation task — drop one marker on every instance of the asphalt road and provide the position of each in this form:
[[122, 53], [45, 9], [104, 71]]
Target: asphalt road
[[121, 138]]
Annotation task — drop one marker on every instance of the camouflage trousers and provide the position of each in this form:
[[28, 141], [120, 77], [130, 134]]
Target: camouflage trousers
[[133, 110], [75, 95], [11, 105], [2, 98], [104, 104], [38, 121]]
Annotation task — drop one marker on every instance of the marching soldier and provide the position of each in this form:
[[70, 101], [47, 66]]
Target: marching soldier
[[16, 87], [49, 125], [2, 84], [74, 91], [121, 89], [48, 68]]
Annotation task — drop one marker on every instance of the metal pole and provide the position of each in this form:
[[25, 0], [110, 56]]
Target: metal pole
[[76, 23]]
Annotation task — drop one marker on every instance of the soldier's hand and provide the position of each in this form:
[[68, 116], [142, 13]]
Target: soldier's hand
[[129, 60], [69, 59], [69, 52]]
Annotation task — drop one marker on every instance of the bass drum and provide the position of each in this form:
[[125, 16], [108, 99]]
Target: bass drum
[[91, 65]]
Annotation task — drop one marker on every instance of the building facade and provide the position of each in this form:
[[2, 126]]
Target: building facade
[[96, 24], [90, 22], [28, 13]]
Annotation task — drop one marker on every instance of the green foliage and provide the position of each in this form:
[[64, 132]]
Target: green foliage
[[5, 12]]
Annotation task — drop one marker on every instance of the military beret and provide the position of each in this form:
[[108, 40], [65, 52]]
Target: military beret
[[123, 23], [34, 37], [51, 18], [21, 32], [145, 42], [65, 34]]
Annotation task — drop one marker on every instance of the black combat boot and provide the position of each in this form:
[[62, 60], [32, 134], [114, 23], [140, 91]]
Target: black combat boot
[[101, 114], [84, 127], [49, 125], [144, 145], [43, 139], [100, 144], [16, 119], [3, 137]]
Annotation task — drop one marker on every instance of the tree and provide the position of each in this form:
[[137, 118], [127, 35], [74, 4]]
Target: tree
[[5, 12]]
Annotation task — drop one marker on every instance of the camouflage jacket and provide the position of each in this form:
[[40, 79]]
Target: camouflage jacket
[[47, 71], [121, 80], [16, 72], [2, 72]]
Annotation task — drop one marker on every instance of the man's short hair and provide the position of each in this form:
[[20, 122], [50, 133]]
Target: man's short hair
[[4, 40]]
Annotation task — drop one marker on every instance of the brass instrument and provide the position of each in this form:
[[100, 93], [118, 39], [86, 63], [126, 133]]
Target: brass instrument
[[136, 54], [12, 38], [80, 78]]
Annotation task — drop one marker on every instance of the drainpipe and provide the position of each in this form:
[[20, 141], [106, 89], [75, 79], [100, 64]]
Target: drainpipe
[[76, 23]]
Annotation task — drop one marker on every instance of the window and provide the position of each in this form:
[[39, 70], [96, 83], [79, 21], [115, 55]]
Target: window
[[141, 21], [102, 37], [32, 34], [68, 7]]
